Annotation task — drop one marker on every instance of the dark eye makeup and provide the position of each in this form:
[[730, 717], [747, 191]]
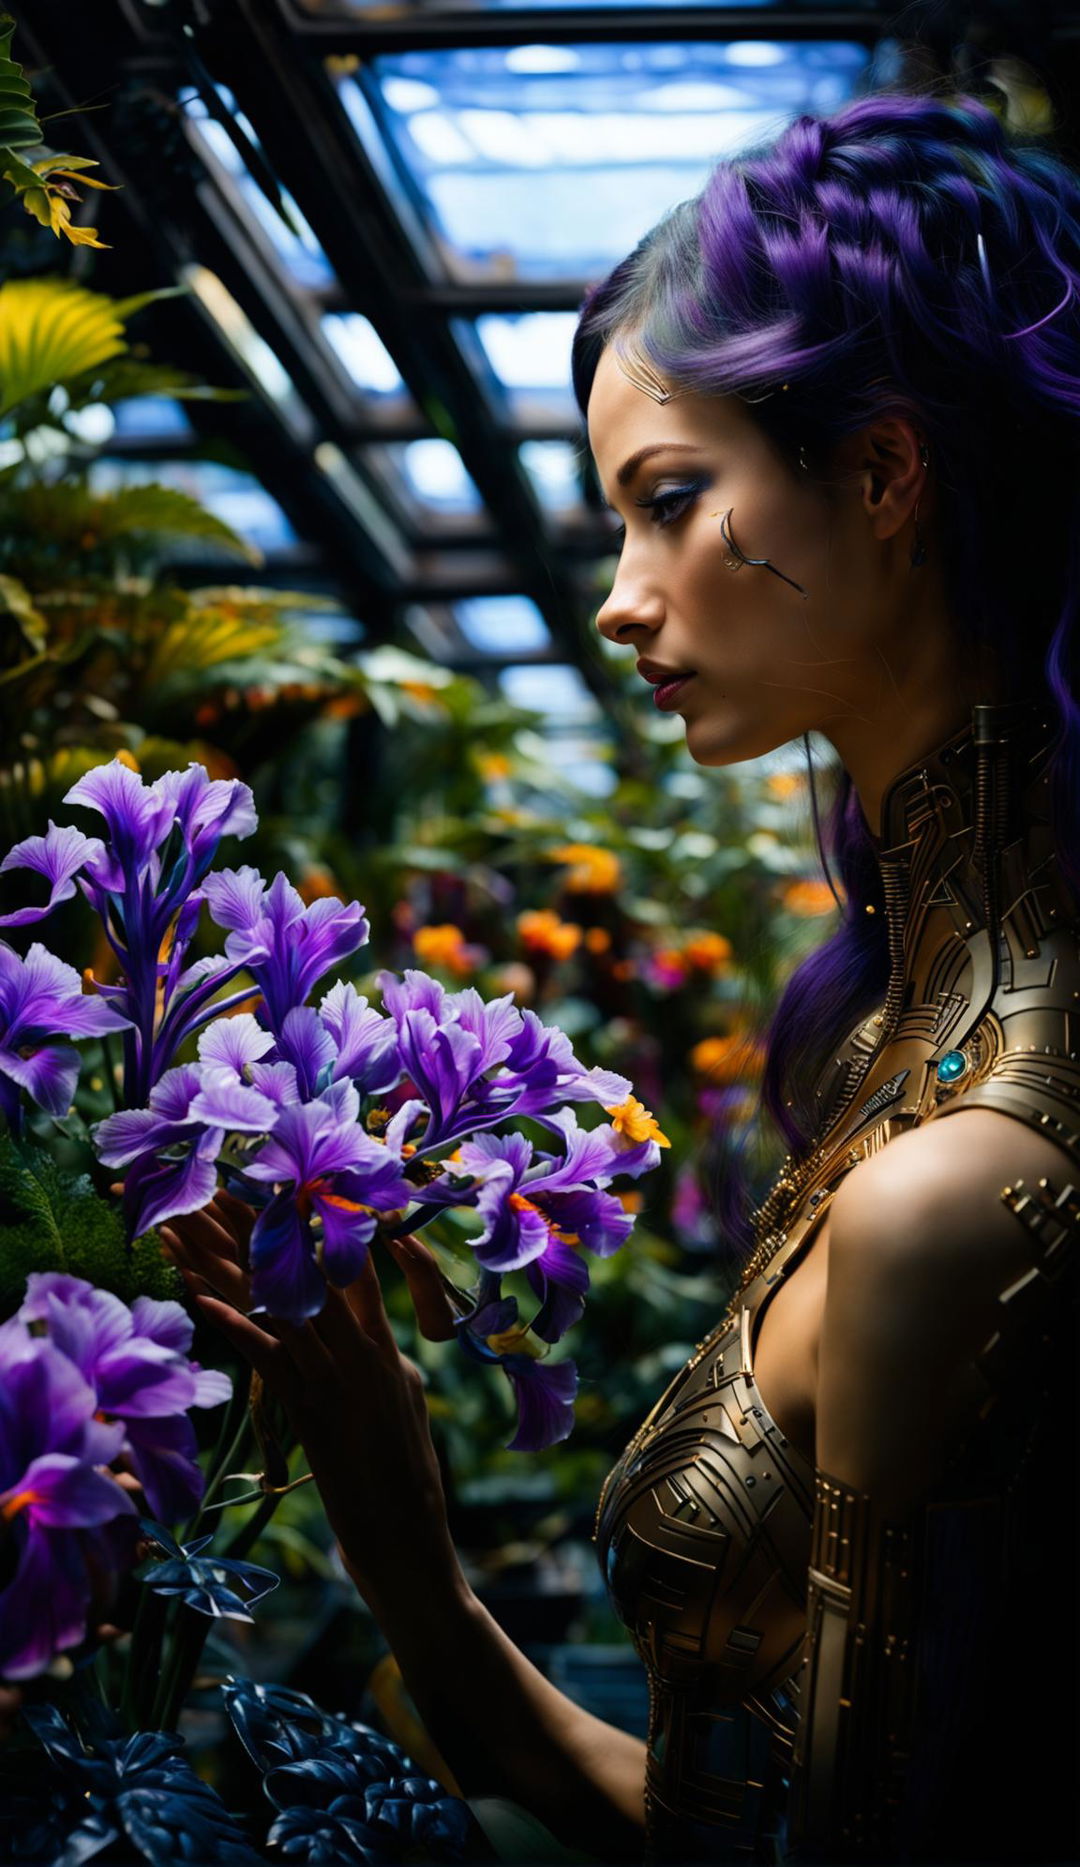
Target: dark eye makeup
[[674, 501]]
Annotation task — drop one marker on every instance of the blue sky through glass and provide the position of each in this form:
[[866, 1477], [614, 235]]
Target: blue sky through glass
[[551, 161]]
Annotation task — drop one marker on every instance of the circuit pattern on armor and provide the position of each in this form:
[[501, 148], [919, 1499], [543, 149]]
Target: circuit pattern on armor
[[708, 1560]]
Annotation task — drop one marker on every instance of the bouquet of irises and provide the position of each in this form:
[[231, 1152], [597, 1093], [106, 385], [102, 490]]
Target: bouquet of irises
[[335, 1120]]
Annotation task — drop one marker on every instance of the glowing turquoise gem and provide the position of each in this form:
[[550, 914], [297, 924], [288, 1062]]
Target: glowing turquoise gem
[[952, 1066]]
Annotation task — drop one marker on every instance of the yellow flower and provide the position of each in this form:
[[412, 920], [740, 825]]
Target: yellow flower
[[444, 946], [632, 1119], [124, 757], [593, 871], [543, 932], [807, 898], [518, 1341], [727, 1059], [709, 952]]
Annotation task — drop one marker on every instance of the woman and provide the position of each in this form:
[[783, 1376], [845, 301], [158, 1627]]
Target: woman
[[835, 402]]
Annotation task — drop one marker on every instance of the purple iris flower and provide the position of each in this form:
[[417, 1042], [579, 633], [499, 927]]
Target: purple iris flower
[[475, 1063], [59, 856], [136, 1362], [526, 1202], [285, 946], [366, 1042], [169, 1149], [53, 1503], [42, 1004], [544, 1391], [324, 1167], [143, 881]]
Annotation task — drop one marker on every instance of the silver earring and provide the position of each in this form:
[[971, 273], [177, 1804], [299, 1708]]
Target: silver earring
[[803, 462]]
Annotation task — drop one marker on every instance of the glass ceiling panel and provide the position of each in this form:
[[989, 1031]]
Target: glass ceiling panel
[[296, 246], [555, 689], [235, 497], [552, 466], [435, 474], [151, 418], [356, 343], [502, 625], [551, 161]]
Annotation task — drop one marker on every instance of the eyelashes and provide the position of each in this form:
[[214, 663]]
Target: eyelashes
[[668, 506], [671, 505]]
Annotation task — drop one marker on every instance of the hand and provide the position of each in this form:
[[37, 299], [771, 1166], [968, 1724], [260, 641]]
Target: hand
[[356, 1404]]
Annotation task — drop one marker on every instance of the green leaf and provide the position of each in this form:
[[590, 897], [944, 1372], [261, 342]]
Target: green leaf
[[19, 127], [51, 1220], [163, 510], [15, 601]]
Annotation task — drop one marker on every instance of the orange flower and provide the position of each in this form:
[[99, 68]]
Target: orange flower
[[493, 765], [623, 969], [123, 757], [541, 931], [319, 885], [420, 690], [728, 1059], [593, 871], [443, 946], [597, 939], [807, 898], [632, 1119], [631, 1202], [784, 784], [708, 952]]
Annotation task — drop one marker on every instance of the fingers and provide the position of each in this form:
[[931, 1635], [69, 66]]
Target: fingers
[[364, 1299], [213, 1272], [434, 1311], [265, 1353], [239, 1216]]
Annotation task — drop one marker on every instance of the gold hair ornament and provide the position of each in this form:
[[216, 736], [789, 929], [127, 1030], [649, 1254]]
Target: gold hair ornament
[[640, 373]]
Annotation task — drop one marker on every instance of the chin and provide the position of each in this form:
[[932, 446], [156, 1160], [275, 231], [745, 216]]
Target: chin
[[717, 736]]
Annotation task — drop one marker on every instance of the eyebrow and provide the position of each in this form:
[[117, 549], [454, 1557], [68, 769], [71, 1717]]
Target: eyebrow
[[629, 467]]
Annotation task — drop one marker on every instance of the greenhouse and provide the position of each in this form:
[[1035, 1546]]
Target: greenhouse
[[525, 762]]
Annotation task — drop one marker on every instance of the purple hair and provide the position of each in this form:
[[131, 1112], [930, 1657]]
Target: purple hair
[[907, 255]]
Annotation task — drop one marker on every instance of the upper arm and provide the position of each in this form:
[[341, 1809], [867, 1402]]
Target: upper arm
[[922, 1248]]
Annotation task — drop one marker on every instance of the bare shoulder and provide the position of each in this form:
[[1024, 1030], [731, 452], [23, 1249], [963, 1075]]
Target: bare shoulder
[[938, 1196], [923, 1249]]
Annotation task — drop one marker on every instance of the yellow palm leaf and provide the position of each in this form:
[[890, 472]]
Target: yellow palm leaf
[[50, 329]]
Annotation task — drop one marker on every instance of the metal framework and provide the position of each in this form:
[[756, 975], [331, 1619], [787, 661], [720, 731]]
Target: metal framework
[[319, 452]]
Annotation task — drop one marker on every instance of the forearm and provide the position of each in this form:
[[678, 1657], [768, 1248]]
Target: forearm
[[504, 1729]]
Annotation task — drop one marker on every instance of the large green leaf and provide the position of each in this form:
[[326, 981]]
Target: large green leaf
[[19, 128], [69, 514]]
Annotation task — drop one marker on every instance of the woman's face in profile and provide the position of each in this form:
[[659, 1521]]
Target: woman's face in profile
[[767, 663]]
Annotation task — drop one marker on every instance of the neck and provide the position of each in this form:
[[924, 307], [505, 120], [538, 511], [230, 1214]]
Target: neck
[[972, 886]]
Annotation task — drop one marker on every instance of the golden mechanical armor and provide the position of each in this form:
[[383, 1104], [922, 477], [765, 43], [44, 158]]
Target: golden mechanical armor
[[826, 1685]]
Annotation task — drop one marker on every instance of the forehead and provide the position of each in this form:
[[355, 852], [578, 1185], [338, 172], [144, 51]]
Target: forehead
[[623, 418]]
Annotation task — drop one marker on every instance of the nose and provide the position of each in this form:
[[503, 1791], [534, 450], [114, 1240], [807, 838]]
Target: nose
[[631, 603]]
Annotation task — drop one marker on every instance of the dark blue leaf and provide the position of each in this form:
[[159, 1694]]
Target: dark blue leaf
[[317, 1836]]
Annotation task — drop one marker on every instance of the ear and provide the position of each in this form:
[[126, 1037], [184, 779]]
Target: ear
[[883, 469]]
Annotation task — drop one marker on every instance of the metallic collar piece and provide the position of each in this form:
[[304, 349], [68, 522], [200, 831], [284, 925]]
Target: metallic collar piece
[[984, 959]]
